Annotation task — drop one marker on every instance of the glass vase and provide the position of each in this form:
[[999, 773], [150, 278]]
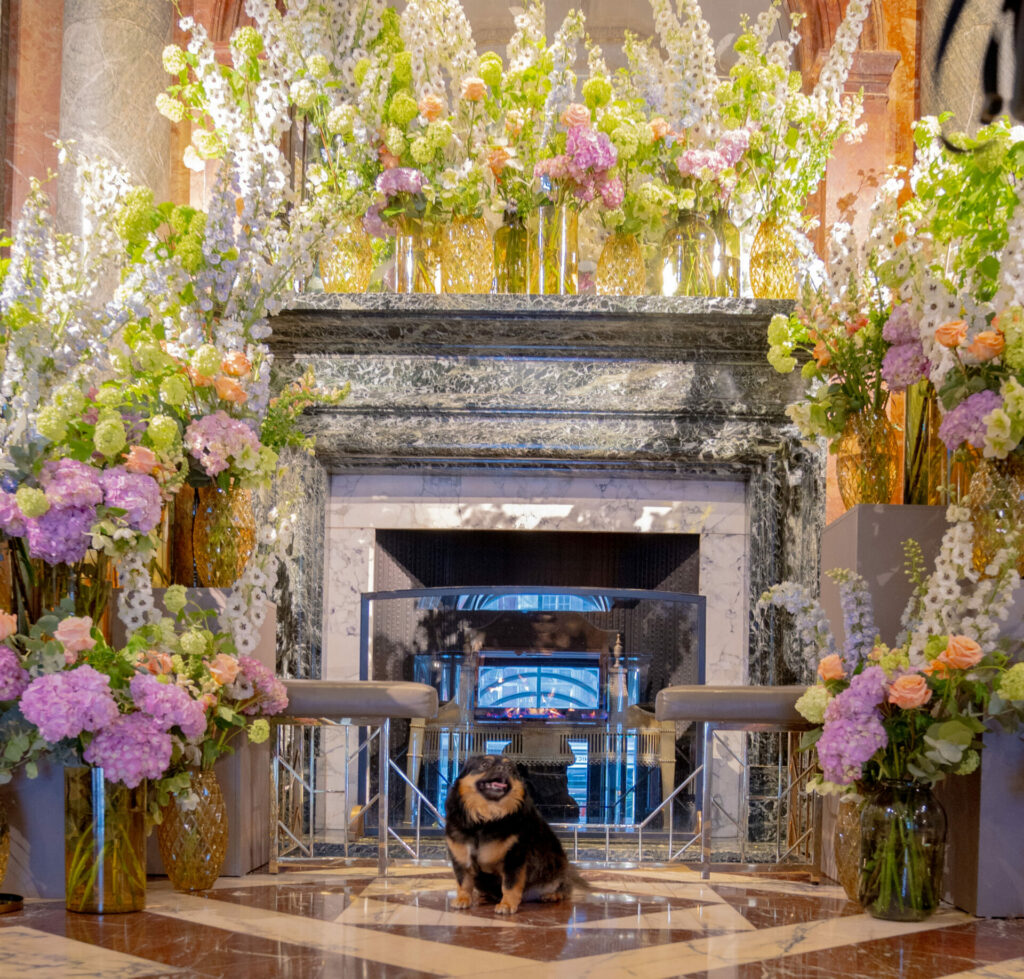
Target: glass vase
[[417, 257], [104, 843], [5, 841], [925, 465], [846, 842], [773, 259], [620, 267], [996, 503], [223, 535], [727, 254], [687, 257], [866, 458], [903, 843], [346, 262], [512, 256], [556, 252], [194, 841], [467, 257]]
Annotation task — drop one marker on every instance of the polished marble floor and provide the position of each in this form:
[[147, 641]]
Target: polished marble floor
[[633, 923]]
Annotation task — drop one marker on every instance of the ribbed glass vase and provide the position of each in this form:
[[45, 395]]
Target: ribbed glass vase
[[867, 459], [727, 254], [512, 256], [194, 841], [223, 535], [846, 842], [773, 260], [996, 503], [467, 257], [417, 257], [5, 841], [346, 262], [620, 267]]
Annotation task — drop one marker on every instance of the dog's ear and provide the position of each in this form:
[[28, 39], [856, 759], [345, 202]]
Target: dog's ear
[[521, 770], [467, 766]]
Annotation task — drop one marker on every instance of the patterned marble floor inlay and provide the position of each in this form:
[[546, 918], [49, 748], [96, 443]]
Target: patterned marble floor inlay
[[630, 923]]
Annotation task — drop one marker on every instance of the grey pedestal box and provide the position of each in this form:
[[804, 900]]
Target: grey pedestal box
[[985, 861]]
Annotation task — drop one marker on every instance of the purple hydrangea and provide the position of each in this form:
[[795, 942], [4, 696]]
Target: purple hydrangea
[[400, 180], [13, 677], [903, 365], [130, 749], [214, 439], [846, 743], [135, 493], [12, 521], [63, 705], [68, 482], [964, 423], [273, 697], [900, 328], [588, 152], [62, 535], [169, 705], [612, 193]]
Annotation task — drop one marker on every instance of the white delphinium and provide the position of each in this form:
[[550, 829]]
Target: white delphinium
[[136, 607], [438, 36], [644, 78], [690, 71], [563, 79], [1012, 268], [529, 40]]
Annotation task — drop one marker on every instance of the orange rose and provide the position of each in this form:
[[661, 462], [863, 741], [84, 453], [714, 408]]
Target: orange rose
[[8, 625], [236, 364], [199, 380], [575, 114], [229, 390], [388, 160], [910, 690], [140, 460], [658, 128], [951, 334], [497, 158], [822, 354], [157, 663], [224, 668], [474, 89], [987, 345], [831, 668], [961, 653], [430, 107]]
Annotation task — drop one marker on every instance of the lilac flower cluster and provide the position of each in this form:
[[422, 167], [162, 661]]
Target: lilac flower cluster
[[135, 493], [965, 422], [904, 364], [400, 180], [273, 697], [169, 705], [64, 704], [853, 729], [131, 748], [584, 166], [900, 327], [13, 677], [214, 440], [68, 482]]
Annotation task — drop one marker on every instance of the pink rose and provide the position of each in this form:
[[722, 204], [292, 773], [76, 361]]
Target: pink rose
[[74, 634], [8, 625], [430, 107], [157, 662], [224, 668], [909, 691], [831, 668], [140, 460], [575, 115]]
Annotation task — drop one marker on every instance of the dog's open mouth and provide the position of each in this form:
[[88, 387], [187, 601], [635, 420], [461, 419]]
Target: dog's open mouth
[[493, 788]]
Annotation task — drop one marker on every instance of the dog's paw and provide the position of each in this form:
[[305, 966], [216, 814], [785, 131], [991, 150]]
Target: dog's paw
[[462, 901], [553, 898], [505, 906]]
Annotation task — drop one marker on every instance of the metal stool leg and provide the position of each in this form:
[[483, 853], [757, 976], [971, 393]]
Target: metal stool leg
[[706, 803], [383, 800]]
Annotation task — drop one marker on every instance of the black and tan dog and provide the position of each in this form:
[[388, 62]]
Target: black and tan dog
[[499, 844]]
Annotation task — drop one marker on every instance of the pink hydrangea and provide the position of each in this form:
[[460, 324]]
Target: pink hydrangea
[[13, 677], [68, 482], [64, 704], [131, 748], [214, 440], [612, 193], [588, 151], [400, 180], [169, 705], [271, 692], [733, 144], [135, 493]]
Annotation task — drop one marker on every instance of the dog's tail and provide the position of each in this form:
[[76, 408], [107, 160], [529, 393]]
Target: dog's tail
[[576, 880]]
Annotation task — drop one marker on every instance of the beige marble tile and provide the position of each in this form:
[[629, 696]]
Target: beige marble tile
[[1010, 969]]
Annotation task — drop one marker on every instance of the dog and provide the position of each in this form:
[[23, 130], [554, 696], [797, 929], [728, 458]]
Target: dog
[[499, 845]]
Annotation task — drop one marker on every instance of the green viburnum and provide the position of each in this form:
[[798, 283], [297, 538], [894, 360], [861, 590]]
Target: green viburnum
[[206, 360], [340, 119], [52, 423], [403, 109], [109, 436], [31, 502], [174, 390], [248, 41], [302, 93], [1011, 322], [174, 59], [360, 70], [421, 150], [401, 70], [597, 91], [440, 134], [151, 358], [812, 703], [162, 429], [193, 643], [1011, 683], [259, 730], [318, 66], [489, 66], [170, 108], [394, 140], [968, 763], [175, 598], [69, 399]]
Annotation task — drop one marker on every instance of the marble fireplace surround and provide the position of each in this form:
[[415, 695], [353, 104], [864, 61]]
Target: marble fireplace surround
[[647, 415]]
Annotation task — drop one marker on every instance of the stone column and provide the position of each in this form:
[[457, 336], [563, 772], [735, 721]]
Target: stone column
[[111, 73]]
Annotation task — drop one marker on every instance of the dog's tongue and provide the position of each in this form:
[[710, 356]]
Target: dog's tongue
[[497, 786]]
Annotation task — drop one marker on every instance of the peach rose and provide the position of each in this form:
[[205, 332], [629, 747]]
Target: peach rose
[[199, 380], [157, 662], [831, 668], [987, 345], [230, 390], [74, 634], [575, 114], [430, 107], [140, 460], [474, 89], [224, 668], [856, 325], [8, 625], [909, 690], [497, 158], [208, 700], [388, 160], [236, 364], [514, 122], [658, 128], [961, 653], [821, 354], [951, 334]]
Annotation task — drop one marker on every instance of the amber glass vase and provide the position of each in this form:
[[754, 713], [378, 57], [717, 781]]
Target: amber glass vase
[[687, 258], [223, 535], [104, 843], [996, 502], [867, 458], [620, 267], [556, 252], [5, 841], [194, 841], [346, 262], [773, 259], [846, 840], [512, 256], [467, 257], [417, 257]]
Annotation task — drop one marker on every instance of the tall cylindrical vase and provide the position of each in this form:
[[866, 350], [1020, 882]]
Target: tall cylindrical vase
[[193, 839], [687, 258], [556, 252], [866, 459], [467, 257], [513, 256], [104, 843], [903, 845], [925, 466], [727, 254], [417, 258], [996, 502], [223, 535]]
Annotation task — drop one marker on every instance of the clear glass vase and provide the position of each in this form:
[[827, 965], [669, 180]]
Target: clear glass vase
[[687, 257], [996, 502], [194, 841], [620, 267], [727, 254], [773, 261], [346, 262], [467, 257], [903, 846], [223, 535], [513, 256], [104, 843], [417, 257], [556, 252], [867, 458]]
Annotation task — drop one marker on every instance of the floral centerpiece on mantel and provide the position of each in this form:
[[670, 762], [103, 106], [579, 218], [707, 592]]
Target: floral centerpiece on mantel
[[893, 721]]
